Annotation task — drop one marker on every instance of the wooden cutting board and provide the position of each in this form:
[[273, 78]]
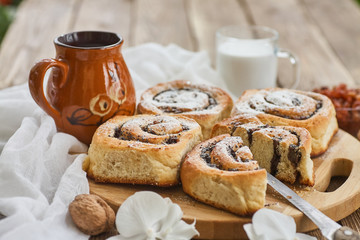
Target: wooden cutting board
[[341, 159]]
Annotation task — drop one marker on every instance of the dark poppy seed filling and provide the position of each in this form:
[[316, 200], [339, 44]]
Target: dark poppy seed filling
[[295, 101], [250, 131], [123, 134], [117, 132], [294, 153], [228, 154], [180, 100], [205, 154], [185, 128], [232, 153], [276, 157], [172, 139]]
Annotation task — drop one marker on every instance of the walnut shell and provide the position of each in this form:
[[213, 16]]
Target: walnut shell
[[91, 214]]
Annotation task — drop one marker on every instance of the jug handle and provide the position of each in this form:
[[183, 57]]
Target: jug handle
[[36, 82]]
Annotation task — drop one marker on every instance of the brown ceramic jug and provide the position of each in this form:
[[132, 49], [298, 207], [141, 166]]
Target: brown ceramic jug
[[89, 83]]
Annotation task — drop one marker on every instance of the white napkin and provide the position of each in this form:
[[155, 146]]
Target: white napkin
[[15, 104], [38, 175], [36, 182], [151, 63]]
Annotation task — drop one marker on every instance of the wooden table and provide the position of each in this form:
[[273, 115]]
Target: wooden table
[[325, 34]]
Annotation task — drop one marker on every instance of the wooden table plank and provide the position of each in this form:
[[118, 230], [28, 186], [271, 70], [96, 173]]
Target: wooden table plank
[[353, 221], [319, 64], [164, 22], [115, 16], [205, 19], [339, 21], [30, 37]]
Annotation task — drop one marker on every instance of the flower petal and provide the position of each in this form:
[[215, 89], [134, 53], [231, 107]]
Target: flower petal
[[140, 213], [182, 231], [174, 215], [302, 236], [273, 225], [146, 215], [116, 237], [139, 237], [250, 231]]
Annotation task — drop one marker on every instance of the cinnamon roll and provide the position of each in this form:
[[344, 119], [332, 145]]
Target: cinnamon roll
[[141, 149], [284, 107], [221, 172], [283, 151], [205, 104]]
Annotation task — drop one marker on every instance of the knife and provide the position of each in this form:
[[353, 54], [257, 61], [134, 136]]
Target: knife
[[328, 227]]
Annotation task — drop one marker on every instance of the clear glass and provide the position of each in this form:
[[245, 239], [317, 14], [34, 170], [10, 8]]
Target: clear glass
[[246, 58]]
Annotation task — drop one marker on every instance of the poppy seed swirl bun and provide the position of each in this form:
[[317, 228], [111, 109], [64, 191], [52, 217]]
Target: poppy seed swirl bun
[[221, 172], [205, 104], [142, 149], [283, 151]]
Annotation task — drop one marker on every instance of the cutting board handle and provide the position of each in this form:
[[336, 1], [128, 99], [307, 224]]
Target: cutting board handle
[[341, 160]]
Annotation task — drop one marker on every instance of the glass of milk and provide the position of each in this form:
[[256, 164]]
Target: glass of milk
[[246, 58]]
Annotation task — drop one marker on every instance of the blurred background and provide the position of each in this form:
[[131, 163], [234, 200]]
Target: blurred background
[[324, 34], [7, 14]]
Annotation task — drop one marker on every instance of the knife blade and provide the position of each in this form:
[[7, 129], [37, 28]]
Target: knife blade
[[328, 227]]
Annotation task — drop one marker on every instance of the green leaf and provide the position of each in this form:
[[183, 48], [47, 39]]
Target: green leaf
[[5, 20]]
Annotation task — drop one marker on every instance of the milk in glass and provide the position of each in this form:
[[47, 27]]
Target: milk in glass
[[246, 64]]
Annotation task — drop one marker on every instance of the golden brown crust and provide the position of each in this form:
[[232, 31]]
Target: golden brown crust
[[293, 147], [284, 107], [119, 154], [198, 106], [228, 125], [240, 192]]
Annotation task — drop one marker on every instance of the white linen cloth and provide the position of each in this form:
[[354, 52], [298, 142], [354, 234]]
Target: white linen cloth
[[40, 169]]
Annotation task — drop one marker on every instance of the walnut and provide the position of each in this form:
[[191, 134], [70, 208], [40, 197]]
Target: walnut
[[91, 214]]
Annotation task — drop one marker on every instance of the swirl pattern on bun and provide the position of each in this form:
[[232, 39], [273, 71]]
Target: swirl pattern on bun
[[153, 129], [222, 173], [142, 149], [231, 154], [285, 107], [205, 104], [282, 150]]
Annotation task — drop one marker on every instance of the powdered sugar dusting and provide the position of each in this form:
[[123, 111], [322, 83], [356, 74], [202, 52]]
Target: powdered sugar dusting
[[183, 100], [230, 153], [282, 98], [160, 129], [280, 134], [284, 103]]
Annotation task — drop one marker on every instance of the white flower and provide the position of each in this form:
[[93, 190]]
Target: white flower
[[271, 225], [146, 215]]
